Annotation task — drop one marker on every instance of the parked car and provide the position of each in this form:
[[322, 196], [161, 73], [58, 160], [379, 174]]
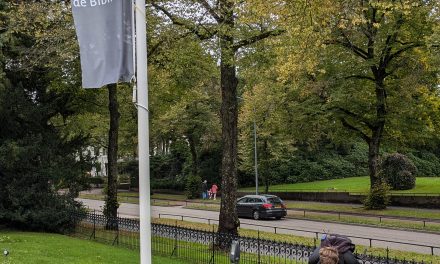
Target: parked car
[[261, 206]]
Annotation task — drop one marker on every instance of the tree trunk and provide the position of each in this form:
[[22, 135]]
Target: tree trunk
[[373, 159], [377, 132], [228, 219], [192, 148], [266, 169], [111, 202], [266, 185]]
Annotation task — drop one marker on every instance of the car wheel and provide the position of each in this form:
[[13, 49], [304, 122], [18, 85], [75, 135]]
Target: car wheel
[[256, 215], [278, 217]]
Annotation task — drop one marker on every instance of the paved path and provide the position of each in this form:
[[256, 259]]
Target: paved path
[[422, 238]]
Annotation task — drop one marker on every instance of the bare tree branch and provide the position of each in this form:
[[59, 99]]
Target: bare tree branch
[[153, 49], [258, 37], [360, 77], [211, 10], [398, 52], [202, 35], [355, 129], [391, 39], [360, 119], [347, 44]]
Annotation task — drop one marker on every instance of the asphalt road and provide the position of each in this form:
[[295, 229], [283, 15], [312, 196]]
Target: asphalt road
[[413, 237]]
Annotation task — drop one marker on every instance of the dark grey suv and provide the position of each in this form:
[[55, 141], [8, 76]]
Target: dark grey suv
[[261, 206]]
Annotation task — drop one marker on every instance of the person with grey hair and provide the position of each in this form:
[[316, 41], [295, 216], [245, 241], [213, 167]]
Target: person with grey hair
[[205, 189]]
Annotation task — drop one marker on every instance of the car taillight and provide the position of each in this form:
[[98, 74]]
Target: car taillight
[[267, 206]]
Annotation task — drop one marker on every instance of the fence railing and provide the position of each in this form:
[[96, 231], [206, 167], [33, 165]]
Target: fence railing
[[200, 246], [315, 233]]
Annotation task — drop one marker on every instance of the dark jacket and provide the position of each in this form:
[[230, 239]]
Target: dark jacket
[[204, 187], [342, 244], [345, 258]]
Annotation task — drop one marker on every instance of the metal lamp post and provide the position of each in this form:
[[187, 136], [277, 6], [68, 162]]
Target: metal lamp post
[[255, 151], [255, 156]]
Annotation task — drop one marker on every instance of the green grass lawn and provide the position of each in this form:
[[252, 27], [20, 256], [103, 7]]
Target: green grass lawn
[[42, 248], [353, 184]]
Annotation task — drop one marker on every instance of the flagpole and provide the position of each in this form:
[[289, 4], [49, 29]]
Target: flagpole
[[143, 134]]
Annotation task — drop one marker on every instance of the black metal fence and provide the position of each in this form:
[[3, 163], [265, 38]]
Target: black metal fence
[[200, 246], [276, 229]]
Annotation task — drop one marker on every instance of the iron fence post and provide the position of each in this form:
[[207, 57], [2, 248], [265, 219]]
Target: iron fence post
[[213, 246], [175, 241], [74, 221], [258, 243], [94, 224]]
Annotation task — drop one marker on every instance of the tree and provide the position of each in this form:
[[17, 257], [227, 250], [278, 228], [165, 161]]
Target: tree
[[370, 67], [111, 200], [184, 85], [37, 159], [263, 103], [223, 22]]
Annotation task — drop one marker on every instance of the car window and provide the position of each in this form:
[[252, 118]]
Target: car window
[[242, 200], [250, 200], [274, 200]]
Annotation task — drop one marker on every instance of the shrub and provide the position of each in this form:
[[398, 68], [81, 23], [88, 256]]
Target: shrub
[[123, 178], [399, 172], [168, 183], [337, 167], [427, 164], [96, 180], [379, 197], [193, 186], [130, 168]]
